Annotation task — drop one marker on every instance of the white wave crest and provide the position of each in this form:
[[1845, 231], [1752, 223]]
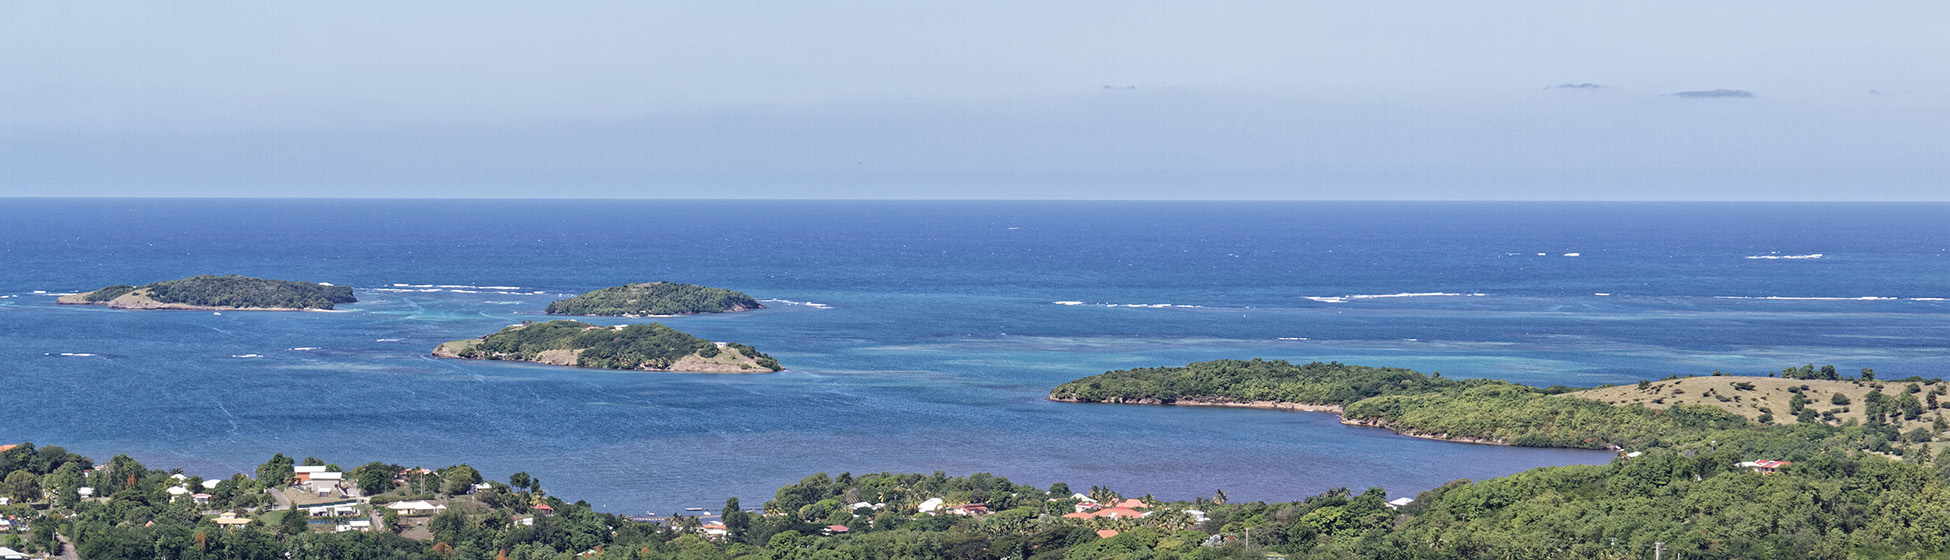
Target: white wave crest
[[1793, 298], [1348, 298], [304, 348], [75, 354], [246, 355], [1133, 305], [388, 340], [805, 303], [1574, 254], [1785, 257]]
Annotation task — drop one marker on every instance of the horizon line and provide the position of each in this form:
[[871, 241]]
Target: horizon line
[[874, 199]]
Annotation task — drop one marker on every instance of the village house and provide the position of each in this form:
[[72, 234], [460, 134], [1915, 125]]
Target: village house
[[970, 509], [11, 554], [200, 498], [834, 530], [1765, 467], [416, 507], [305, 472], [325, 482], [1398, 503], [230, 519], [361, 525]]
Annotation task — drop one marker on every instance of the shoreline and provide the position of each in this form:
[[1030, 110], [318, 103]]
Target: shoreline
[[443, 352], [1292, 406], [75, 299]]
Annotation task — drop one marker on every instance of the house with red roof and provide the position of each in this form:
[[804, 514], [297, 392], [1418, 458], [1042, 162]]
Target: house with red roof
[[1766, 467], [1119, 513], [1106, 533], [834, 529], [1133, 503]]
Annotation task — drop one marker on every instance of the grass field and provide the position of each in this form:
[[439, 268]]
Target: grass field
[[1754, 397]]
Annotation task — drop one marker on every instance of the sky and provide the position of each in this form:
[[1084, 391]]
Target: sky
[[1356, 100]]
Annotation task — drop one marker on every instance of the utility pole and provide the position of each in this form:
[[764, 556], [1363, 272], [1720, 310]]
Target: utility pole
[[1658, 550]]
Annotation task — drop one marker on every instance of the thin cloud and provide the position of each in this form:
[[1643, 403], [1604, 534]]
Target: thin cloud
[[1583, 85], [1715, 94]]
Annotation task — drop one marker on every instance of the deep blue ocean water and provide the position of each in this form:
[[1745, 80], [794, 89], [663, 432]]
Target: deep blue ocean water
[[923, 336]]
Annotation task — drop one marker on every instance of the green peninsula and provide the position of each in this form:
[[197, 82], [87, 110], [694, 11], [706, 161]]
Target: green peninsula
[[1409, 402], [647, 347], [653, 299], [208, 292]]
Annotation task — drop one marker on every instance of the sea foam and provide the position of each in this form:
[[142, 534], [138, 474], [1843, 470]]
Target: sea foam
[[1772, 257], [1348, 298]]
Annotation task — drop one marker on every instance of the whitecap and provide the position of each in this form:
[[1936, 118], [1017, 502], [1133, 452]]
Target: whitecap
[[1926, 299], [76, 354], [40, 291], [1792, 298], [304, 348], [1574, 254], [246, 355], [387, 340], [324, 283], [1602, 294], [805, 303], [1293, 338], [464, 291], [1785, 257], [1347, 298], [1067, 302]]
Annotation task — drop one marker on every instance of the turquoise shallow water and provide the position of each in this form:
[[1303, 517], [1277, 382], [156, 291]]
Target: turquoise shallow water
[[922, 336]]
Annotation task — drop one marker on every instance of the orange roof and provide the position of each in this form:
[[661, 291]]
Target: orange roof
[[8, 447], [1119, 512], [1106, 533], [1078, 515], [1132, 503]]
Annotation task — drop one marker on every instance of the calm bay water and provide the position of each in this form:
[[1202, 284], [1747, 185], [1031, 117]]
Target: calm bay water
[[923, 336]]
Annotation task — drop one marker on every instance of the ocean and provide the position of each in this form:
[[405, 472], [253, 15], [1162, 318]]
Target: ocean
[[923, 336]]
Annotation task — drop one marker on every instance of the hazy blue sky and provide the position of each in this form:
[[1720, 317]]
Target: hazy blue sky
[[906, 99]]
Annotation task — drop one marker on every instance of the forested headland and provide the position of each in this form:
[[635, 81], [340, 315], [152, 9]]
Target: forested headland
[[654, 298], [1500, 412], [644, 347], [218, 292]]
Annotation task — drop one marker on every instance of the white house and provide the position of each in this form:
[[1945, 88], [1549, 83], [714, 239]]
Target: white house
[[177, 491], [416, 507], [357, 525], [11, 554], [211, 484], [85, 491], [931, 505], [1398, 503], [326, 481]]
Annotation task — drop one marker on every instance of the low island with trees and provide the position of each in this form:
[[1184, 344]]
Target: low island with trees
[[644, 347], [223, 293], [654, 299]]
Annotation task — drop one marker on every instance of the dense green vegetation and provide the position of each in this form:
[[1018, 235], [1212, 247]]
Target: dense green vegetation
[[654, 298], [1834, 502], [231, 291], [1410, 402], [646, 346], [107, 293], [1251, 380]]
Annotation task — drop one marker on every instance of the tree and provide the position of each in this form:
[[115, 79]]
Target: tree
[[21, 486], [1868, 374], [277, 471], [293, 522], [459, 479], [736, 522], [520, 480], [391, 520], [375, 477]]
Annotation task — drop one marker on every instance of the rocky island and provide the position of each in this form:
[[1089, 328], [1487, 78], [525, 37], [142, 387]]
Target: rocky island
[[654, 299], [223, 293], [646, 347]]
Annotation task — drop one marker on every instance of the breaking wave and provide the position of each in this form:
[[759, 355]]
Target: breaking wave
[[805, 303], [1133, 305], [1348, 298], [1772, 257]]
